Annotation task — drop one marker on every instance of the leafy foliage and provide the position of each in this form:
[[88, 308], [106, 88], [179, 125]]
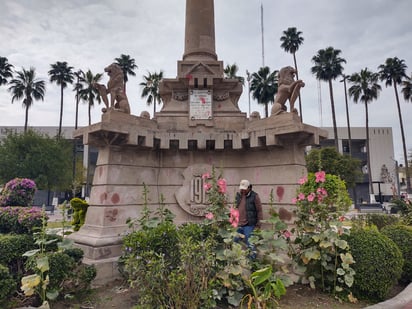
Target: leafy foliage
[[36, 156], [20, 220], [328, 159], [7, 284], [321, 202], [79, 212], [374, 252], [402, 236]]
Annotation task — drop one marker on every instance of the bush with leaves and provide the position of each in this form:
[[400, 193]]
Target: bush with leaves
[[20, 220], [18, 192], [79, 212], [7, 285], [378, 264], [12, 248], [402, 236], [378, 220], [321, 202], [51, 272]]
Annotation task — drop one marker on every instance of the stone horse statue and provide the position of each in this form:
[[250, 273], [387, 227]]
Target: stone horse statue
[[115, 87], [288, 90]]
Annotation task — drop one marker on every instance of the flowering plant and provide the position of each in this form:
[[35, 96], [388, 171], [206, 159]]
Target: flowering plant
[[321, 202], [18, 192]]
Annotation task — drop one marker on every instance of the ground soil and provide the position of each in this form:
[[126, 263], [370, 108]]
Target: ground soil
[[117, 295]]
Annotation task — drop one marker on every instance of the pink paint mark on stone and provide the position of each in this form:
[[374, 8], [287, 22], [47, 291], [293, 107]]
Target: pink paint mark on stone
[[103, 197], [115, 198], [280, 192], [111, 214]]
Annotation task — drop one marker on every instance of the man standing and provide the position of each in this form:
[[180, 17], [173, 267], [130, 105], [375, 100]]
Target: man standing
[[250, 211]]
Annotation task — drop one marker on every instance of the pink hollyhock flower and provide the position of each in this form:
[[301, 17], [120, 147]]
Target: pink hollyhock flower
[[206, 176], [341, 218], [234, 217], [312, 211], [207, 186], [209, 216], [287, 234], [322, 191], [302, 180], [320, 176], [311, 197], [294, 200], [222, 185], [301, 196]]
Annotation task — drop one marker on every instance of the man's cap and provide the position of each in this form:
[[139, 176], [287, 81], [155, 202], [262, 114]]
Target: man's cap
[[244, 184]]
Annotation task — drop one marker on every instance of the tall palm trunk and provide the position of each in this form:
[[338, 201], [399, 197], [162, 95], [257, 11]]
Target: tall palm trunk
[[297, 78], [405, 153], [26, 119], [367, 149], [90, 115], [61, 110], [332, 103], [77, 110], [266, 110], [154, 107]]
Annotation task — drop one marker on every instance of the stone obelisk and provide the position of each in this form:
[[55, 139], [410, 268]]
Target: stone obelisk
[[200, 30], [200, 75]]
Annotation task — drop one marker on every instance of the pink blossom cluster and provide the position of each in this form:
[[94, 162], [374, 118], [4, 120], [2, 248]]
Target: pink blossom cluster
[[221, 183], [319, 195]]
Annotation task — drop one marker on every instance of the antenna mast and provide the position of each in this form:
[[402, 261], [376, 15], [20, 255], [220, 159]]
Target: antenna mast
[[263, 41]]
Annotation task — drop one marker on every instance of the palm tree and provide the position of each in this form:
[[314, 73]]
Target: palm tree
[[291, 40], [62, 74], [151, 89], [78, 86], [89, 93], [128, 66], [365, 88], [5, 71], [328, 66], [393, 72], [264, 86], [407, 89], [27, 87], [231, 72]]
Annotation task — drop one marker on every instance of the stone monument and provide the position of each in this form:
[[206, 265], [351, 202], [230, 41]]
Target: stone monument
[[199, 126]]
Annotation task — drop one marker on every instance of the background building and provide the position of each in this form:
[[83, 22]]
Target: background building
[[384, 168]]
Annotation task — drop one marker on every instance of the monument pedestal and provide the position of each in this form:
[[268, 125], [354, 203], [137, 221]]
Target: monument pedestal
[[199, 127]]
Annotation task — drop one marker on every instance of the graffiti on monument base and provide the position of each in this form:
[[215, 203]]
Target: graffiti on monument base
[[192, 196]]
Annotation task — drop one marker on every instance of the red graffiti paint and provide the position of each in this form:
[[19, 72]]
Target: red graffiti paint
[[103, 197], [115, 198], [280, 192]]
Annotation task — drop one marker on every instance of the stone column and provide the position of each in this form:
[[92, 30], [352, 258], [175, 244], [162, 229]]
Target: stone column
[[200, 30]]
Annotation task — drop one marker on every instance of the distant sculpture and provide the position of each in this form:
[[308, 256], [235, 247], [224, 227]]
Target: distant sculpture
[[145, 114], [254, 116], [115, 87], [288, 90]]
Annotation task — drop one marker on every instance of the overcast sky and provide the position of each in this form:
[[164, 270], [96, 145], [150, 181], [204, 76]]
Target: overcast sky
[[90, 34]]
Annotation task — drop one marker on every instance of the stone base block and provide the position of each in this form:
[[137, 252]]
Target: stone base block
[[107, 270]]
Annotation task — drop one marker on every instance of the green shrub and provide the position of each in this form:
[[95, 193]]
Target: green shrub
[[7, 284], [381, 220], [20, 220], [378, 264], [402, 236], [79, 212], [18, 192], [75, 253], [11, 249]]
